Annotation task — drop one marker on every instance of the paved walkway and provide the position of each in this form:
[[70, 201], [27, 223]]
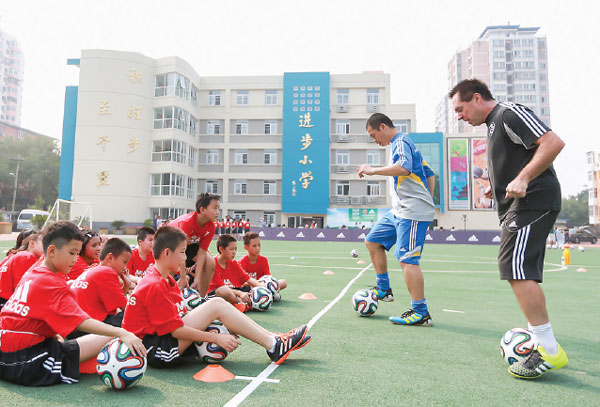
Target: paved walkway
[[11, 237]]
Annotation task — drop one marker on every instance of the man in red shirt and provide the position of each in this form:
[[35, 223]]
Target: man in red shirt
[[153, 315], [12, 271], [141, 257], [253, 263], [43, 307], [199, 227]]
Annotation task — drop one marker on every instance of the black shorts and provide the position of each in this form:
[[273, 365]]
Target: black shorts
[[190, 252], [163, 351], [114, 320], [46, 363], [523, 244], [2, 302]]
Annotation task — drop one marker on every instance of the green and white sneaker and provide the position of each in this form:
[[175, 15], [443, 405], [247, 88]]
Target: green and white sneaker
[[537, 363]]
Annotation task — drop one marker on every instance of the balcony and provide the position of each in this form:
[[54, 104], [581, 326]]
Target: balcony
[[342, 169], [372, 108], [343, 138], [356, 200], [342, 109]]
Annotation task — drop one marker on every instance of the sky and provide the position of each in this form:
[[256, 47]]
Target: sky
[[411, 40]]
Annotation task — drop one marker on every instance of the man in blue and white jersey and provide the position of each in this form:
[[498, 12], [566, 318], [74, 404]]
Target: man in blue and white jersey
[[405, 225]]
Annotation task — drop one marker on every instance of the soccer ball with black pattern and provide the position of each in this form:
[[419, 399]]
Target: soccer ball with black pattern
[[516, 344], [118, 367], [191, 298], [210, 352], [261, 298], [271, 283], [365, 302], [354, 253]]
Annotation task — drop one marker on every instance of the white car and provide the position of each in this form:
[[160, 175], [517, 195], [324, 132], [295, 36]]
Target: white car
[[24, 219]]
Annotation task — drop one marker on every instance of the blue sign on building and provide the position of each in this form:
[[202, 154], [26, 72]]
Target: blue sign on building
[[305, 151]]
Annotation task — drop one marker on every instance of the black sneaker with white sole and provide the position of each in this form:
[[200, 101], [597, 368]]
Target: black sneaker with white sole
[[286, 343]]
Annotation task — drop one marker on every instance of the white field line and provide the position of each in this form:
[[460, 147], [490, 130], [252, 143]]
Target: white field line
[[249, 378], [262, 377]]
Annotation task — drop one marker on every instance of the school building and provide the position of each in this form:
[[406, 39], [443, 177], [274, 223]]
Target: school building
[[144, 136]]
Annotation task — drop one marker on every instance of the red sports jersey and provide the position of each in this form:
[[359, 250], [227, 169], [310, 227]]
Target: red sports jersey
[[256, 270], [221, 224], [227, 224], [196, 234], [13, 270], [41, 306], [233, 276], [234, 224], [79, 267], [136, 266], [153, 308], [247, 225], [99, 292]]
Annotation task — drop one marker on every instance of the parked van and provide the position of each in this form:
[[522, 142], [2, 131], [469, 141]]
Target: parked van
[[24, 219]]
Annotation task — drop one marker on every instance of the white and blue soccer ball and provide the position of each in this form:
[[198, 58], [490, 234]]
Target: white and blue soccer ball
[[118, 367], [365, 302], [581, 249], [354, 253], [210, 352], [271, 283], [516, 344], [191, 298], [261, 298]]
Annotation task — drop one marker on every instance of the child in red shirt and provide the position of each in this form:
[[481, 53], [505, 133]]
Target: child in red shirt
[[89, 256], [100, 291], [142, 257], [152, 314], [253, 263], [16, 266], [42, 310]]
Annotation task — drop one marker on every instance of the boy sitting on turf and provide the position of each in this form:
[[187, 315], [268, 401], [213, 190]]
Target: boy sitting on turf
[[253, 263], [230, 281], [141, 257], [100, 291], [43, 307], [152, 313]]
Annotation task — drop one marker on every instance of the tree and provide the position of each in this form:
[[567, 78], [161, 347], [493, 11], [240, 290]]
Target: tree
[[575, 209]]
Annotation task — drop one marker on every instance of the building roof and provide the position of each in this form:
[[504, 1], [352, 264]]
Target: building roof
[[507, 27]]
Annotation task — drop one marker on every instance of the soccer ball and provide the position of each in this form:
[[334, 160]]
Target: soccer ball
[[516, 344], [581, 249], [191, 298], [210, 352], [261, 298], [117, 367], [276, 297], [271, 283], [365, 302], [354, 253]]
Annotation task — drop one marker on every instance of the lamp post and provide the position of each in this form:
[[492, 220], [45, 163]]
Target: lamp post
[[16, 175], [465, 221]]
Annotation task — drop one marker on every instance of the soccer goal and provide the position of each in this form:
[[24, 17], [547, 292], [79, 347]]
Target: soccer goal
[[80, 213]]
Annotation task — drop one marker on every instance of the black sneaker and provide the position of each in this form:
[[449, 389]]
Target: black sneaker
[[385, 296], [286, 343]]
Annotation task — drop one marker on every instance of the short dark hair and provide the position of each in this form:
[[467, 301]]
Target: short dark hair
[[204, 200], [377, 119], [249, 236], [167, 237], [224, 240], [143, 233], [468, 87], [115, 246], [59, 234]]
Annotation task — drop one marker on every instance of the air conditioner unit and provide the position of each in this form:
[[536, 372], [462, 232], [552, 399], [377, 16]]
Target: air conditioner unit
[[356, 200], [342, 169], [342, 138], [343, 200], [372, 199], [372, 108], [342, 108]]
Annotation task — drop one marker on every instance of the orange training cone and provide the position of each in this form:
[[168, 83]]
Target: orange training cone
[[360, 262], [88, 367], [581, 270], [328, 273], [307, 296], [214, 374]]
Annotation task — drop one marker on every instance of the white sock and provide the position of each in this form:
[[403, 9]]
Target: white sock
[[274, 343], [544, 336]]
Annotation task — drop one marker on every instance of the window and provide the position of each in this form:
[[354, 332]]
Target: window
[[239, 214], [182, 84], [170, 117], [500, 65], [498, 43], [342, 157], [166, 213], [169, 150], [500, 54], [372, 96], [242, 97], [191, 156], [517, 42], [499, 75], [270, 127], [270, 97], [241, 127], [342, 188], [214, 98], [190, 192], [343, 96], [194, 95], [270, 157], [171, 84], [214, 127], [212, 186], [543, 77], [241, 157], [342, 127], [269, 217], [500, 87], [402, 125], [373, 188], [373, 157], [212, 156], [542, 66], [167, 184], [193, 126], [240, 187], [269, 188]]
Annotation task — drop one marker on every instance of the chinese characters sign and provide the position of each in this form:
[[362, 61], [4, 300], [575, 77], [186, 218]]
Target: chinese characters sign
[[305, 175]]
